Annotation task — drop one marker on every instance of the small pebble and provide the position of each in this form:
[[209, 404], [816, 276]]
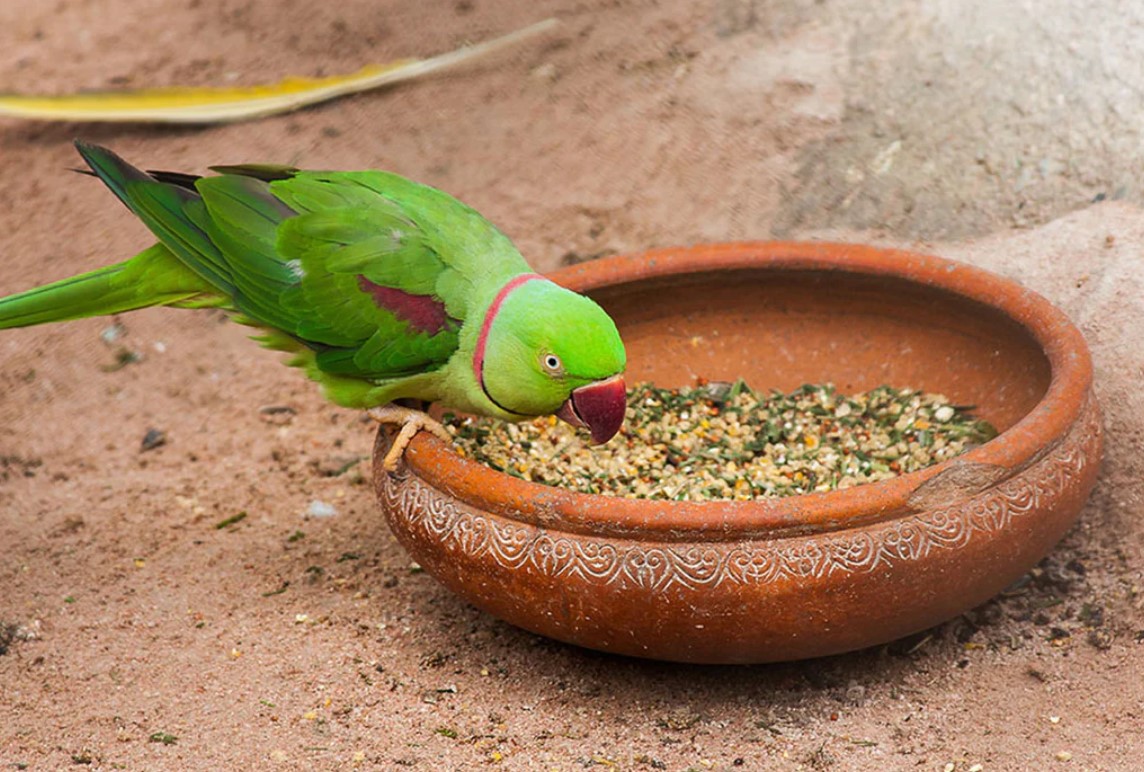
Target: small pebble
[[320, 508], [152, 439], [546, 71], [112, 333]]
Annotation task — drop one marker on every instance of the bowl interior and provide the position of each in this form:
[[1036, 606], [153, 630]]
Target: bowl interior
[[781, 328]]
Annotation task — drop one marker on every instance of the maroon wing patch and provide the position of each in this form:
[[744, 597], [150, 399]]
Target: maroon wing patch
[[423, 313]]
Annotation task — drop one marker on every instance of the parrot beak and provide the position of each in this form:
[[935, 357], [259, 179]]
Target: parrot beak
[[598, 407]]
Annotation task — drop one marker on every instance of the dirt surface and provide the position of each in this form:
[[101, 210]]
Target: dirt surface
[[145, 625]]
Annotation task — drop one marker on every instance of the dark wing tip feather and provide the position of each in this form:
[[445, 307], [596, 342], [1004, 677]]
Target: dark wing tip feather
[[178, 179], [264, 172], [108, 166]]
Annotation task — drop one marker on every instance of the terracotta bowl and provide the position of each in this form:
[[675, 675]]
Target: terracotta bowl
[[811, 575]]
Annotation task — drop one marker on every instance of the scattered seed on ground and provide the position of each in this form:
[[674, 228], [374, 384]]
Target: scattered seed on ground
[[123, 358], [233, 519], [279, 591], [723, 440], [336, 466]]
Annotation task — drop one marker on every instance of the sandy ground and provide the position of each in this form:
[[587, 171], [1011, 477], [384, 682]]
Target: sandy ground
[[136, 633]]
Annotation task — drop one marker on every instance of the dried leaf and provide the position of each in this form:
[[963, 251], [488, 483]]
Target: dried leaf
[[202, 105]]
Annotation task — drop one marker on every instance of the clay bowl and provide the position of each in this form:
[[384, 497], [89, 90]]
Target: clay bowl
[[782, 579]]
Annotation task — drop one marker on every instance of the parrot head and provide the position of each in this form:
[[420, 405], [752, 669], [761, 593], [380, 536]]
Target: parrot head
[[545, 350]]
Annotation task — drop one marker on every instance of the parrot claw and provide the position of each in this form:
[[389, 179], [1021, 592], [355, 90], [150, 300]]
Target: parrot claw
[[411, 421]]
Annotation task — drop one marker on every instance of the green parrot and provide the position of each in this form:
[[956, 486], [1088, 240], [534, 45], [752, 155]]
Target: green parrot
[[382, 289]]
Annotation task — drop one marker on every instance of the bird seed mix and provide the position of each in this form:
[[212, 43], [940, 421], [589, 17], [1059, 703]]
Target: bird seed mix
[[723, 440]]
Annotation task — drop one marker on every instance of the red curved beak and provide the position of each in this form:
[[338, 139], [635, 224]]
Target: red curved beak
[[599, 407]]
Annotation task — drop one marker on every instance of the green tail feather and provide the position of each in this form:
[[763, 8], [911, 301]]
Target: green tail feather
[[154, 277], [176, 215]]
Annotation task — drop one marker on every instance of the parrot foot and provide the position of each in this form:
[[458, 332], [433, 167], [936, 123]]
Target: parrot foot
[[411, 421]]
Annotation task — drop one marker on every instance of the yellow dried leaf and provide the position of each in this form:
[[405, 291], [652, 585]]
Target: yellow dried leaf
[[227, 104]]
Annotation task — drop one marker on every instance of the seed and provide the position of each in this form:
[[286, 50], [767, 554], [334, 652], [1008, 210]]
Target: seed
[[726, 441]]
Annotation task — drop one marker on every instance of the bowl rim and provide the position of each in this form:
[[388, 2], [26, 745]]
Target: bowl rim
[[439, 466]]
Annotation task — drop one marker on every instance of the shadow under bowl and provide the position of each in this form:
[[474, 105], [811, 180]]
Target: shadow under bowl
[[788, 578]]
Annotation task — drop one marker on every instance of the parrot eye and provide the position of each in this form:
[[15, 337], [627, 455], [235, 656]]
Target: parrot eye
[[552, 364]]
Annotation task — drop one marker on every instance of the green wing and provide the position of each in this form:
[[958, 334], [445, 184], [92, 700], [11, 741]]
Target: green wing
[[370, 272], [366, 282]]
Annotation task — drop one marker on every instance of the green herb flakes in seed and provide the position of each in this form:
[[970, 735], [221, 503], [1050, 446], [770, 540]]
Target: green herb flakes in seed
[[725, 441]]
